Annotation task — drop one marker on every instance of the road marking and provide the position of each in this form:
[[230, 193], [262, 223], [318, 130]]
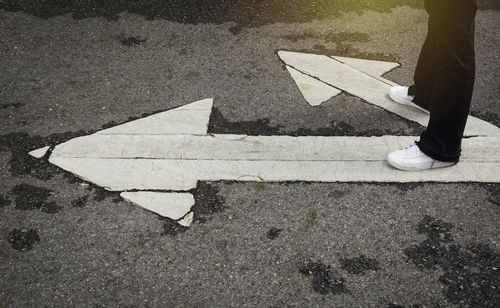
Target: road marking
[[172, 150], [372, 90], [314, 91], [370, 67], [39, 153], [179, 204], [188, 119]]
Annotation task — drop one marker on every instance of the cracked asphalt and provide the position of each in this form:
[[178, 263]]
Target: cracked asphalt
[[71, 68]]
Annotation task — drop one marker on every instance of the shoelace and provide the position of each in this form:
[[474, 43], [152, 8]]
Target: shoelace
[[412, 149]]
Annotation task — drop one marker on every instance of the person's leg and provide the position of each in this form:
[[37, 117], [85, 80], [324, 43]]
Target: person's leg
[[428, 61], [444, 81], [453, 80]]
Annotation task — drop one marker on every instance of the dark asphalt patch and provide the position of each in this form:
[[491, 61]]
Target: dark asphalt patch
[[273, 233], [23, 240], [261, 127], [323, 281], [132, 40], [359, 265], [21, 163], [171, 227], [98, 193], [101, 194], [13, 105], [208, 202], [29, 197], [4, 201], [219, 125], [80, 202], [471, 275]]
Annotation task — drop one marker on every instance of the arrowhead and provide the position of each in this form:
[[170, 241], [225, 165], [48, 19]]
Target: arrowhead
[[85, 156], [370, 67], [361, 78], [189, 119], [314, 91]]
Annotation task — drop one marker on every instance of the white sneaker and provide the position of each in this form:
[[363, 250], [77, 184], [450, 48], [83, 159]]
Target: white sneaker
[[400, 95], [412, 159]]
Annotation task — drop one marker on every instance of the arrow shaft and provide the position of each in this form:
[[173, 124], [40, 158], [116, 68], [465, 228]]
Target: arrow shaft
[[179, 175], [254, 148]]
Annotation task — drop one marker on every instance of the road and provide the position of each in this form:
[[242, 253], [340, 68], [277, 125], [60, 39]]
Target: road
[[70, 70]]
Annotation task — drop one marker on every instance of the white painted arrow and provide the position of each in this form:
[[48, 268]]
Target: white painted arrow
[[361, 78], [172, 150]]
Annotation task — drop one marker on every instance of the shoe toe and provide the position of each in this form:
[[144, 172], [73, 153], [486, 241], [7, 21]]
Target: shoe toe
[[395, 158]]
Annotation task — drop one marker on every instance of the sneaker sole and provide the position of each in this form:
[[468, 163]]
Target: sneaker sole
[[434, 165]]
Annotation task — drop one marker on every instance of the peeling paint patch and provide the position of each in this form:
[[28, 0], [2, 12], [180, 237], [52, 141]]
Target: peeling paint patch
[[4, 200], [359, 265], [471, 274], [273, 233], [323, 281], [28, 197], [23, 240]]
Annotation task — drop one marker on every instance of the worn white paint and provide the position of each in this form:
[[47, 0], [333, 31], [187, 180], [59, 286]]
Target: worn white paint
[[158, 174], [372, 90], [171, 205], [314, 91], [187, 220], [139, 161], [188, 119], [322, 159], [254, 148], [39, 153], [370, 67], [172, 150]]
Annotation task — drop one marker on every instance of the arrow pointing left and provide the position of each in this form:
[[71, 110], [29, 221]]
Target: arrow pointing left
[[149, 158]]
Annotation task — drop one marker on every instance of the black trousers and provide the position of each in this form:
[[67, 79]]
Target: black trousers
[[444, 76]]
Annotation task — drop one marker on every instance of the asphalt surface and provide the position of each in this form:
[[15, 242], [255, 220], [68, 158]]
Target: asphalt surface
[[70, 68]]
